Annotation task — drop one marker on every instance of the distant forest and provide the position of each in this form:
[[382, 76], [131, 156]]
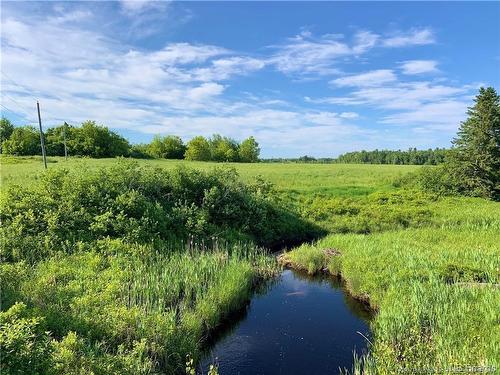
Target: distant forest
[[411, 156]]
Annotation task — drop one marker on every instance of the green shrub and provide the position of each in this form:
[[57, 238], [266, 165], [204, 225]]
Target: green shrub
[[24, 344], [139, 205], [12, 275]]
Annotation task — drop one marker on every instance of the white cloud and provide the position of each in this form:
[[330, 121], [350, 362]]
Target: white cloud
[[419, 66], [443, 115], [206, 90], [74, 16], [364, 41], [396, 95], [62, 61], [305, 54], [135, 6], [349, 115], [368, 79], [415, 37], [225, 68], [324, 118]]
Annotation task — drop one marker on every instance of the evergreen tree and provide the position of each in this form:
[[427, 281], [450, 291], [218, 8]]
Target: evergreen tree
[[474, 162]]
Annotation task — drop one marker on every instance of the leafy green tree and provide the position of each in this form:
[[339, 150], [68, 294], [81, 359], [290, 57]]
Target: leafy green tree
[[23, 141], [6, 129], [96, 141], [54, 139], [412, 156], [223, 148], [474, 162], [169, 147], [249, 150], [198, 148]]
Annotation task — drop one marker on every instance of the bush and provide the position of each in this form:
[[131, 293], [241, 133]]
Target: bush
[[139, 205], [24, 344]]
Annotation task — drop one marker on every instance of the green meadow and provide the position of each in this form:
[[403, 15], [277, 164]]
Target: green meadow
[[295, 178], [427, 264]]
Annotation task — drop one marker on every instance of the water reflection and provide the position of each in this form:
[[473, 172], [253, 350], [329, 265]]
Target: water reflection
[[297, 324]]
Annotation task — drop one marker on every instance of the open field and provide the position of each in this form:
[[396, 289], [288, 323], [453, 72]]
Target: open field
[[427, 264]]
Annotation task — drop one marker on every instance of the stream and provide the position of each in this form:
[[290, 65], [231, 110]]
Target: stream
[[298, 324]]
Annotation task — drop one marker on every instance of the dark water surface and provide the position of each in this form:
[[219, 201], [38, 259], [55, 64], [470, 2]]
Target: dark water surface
[[299, 325]]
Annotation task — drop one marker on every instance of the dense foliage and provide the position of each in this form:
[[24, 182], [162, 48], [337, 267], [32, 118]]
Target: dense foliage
[[22, 141], [98, 141], [169, 147], [222, 149], [6, 129], [412, 156], [140, 205], [89, 139]]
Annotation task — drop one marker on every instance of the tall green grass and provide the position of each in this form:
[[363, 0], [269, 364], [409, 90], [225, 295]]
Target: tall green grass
[[435, 289], [135, 305]]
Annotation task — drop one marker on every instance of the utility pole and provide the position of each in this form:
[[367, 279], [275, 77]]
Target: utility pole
[[42, 143], [64, 137]]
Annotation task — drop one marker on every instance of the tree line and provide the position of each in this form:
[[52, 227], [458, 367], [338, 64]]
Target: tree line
[[411, 156], [98, 141]]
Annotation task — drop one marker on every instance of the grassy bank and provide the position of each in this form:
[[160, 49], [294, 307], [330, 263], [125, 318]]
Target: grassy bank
[[435, 288], [126, 311]]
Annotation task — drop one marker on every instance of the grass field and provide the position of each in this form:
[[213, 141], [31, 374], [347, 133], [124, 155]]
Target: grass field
[[428, 264], [330, 179]]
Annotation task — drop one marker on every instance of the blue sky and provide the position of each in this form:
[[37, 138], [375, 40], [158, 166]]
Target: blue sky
[[303, 78]]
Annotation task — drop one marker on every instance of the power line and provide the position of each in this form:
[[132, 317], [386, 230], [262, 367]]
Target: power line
[[18, 106], [17, 114], [11, 80]]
